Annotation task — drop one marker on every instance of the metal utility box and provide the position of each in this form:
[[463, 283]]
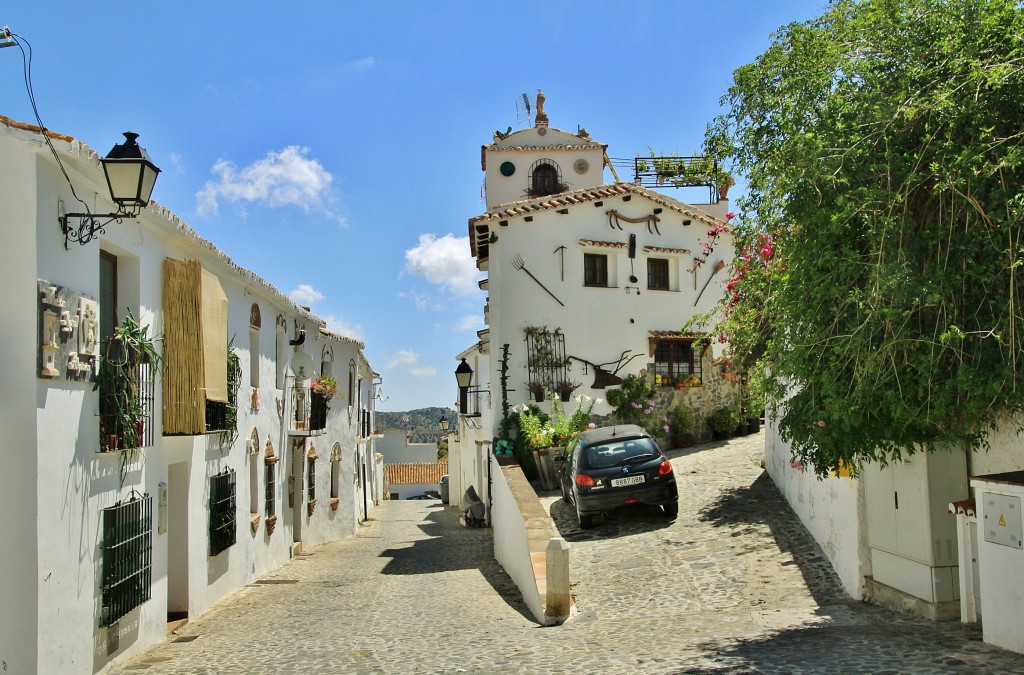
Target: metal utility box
[[912, 537], [1001, 558]]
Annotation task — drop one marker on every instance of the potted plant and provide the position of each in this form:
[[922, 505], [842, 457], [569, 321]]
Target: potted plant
[[683, 422], [536, 388], [566, 388], [119, 385], [322, 390], [723, 422]]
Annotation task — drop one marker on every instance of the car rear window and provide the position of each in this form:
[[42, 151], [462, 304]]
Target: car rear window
[[615, 453]]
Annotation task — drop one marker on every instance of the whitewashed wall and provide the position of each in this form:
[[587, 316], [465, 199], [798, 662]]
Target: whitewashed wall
[[831, 509], [20, 395], [50, 591]]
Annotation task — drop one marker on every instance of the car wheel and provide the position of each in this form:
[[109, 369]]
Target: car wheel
[[671, 510], [586, 521]]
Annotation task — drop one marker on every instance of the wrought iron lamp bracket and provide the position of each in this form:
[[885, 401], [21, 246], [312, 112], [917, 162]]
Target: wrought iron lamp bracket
[[89, 226]]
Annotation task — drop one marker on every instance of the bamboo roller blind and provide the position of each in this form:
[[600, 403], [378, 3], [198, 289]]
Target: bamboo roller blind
[[195, 341]]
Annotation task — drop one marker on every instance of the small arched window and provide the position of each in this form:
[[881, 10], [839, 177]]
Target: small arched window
[[545, 179], [254, 345]]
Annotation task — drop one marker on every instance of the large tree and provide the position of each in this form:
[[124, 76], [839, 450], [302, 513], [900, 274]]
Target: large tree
[[878, 284]]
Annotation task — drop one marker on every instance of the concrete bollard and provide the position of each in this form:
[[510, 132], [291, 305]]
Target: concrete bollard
[[557, 600]]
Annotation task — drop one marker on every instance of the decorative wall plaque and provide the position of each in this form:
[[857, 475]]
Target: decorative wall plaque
[[68, 332]]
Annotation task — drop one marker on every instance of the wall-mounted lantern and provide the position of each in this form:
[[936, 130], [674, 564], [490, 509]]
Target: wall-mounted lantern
[[464, 376], [130, 176]]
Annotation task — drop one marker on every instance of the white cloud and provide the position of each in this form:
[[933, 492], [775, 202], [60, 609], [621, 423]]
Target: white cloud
[[337, 325], [409, 360], [360, 65], [444, 262], [471, 322], [404, 357], [306, 295], [285, 178]]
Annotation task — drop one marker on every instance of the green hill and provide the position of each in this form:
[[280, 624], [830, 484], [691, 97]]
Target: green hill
[[421, 424]]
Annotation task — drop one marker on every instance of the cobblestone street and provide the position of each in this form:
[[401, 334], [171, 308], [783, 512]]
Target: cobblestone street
[[733, 585]]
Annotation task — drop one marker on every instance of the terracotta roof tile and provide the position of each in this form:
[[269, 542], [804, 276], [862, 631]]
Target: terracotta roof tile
[[603, 244], [664, 249], [479, 225], [409, 474]]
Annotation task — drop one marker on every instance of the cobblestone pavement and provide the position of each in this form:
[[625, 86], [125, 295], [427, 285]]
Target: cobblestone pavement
[[733, 585]]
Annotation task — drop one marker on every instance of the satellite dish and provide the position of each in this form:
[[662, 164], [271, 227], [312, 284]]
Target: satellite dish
[[302, 366]]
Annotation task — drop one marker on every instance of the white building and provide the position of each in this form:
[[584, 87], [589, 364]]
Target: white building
[[587, 282], [238, 469]]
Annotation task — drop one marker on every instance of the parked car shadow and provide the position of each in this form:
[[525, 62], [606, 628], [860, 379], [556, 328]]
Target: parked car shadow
[[622, 522]]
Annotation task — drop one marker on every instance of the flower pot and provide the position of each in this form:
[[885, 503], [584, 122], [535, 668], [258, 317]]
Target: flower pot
[[538, 396], [565, 396]]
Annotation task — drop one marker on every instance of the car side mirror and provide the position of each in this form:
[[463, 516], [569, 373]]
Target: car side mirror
[[560, 457]]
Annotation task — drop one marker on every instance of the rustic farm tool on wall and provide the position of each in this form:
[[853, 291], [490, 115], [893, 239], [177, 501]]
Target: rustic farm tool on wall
[[518, 263], [602, 376]]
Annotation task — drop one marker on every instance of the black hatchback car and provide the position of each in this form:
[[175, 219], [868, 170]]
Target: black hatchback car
[[609, 467]]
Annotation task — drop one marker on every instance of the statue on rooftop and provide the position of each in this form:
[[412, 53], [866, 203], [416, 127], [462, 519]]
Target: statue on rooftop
[[542, 117]]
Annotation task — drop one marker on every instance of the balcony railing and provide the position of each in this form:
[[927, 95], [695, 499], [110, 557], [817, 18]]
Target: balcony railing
[[366, 424], [679, 172], [478, 399], [309, 412]]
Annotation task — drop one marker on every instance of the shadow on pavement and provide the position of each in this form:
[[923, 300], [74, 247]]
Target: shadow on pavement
[[741, 510], [451, 546]]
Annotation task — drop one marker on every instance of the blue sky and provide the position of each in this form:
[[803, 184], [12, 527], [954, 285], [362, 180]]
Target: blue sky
[[334, 147]]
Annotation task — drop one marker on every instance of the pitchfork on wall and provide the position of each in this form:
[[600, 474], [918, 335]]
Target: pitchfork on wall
[[518, 263]]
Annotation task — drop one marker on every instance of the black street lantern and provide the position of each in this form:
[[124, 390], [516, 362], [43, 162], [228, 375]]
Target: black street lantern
[[130, 176], [464, 376], [443, 423]]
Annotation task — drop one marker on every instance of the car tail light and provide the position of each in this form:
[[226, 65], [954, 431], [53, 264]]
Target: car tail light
[[665, 468], [583, 480]]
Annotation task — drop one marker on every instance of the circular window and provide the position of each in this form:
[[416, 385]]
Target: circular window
[[581, 166], [507, 168]]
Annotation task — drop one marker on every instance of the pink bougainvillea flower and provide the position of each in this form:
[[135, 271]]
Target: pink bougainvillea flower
[[730, 215]]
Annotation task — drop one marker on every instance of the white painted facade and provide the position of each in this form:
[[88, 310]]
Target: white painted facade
[[922, 551], [533, 250], [60, 481]]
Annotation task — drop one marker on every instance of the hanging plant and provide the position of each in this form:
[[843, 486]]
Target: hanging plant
[[119, 382]]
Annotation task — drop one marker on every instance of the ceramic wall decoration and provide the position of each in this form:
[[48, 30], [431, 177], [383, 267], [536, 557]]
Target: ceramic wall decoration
[[68, 333]]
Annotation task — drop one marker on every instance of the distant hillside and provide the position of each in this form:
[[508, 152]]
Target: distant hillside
[[421, 425]]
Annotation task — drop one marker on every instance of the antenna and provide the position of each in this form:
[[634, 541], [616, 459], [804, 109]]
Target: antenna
[[523, 111]]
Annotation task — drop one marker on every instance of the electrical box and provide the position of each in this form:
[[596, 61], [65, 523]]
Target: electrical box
[[1002, 519], [912, 538], [161, 508]]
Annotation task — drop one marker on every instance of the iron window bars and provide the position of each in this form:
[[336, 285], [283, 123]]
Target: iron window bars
[[112, 434], [127, 548], [222, 511], [545, 358]]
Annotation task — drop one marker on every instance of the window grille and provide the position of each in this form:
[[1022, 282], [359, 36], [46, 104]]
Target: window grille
[[113, 435], [127, 556], [545, 357], [311, 478], [545, 179], [222, 511], [270, 492]]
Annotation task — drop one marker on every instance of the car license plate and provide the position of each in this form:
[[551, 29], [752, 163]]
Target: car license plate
[[628, 480]]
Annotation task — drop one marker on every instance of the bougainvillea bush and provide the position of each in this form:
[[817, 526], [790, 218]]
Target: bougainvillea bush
[[877, 288]]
